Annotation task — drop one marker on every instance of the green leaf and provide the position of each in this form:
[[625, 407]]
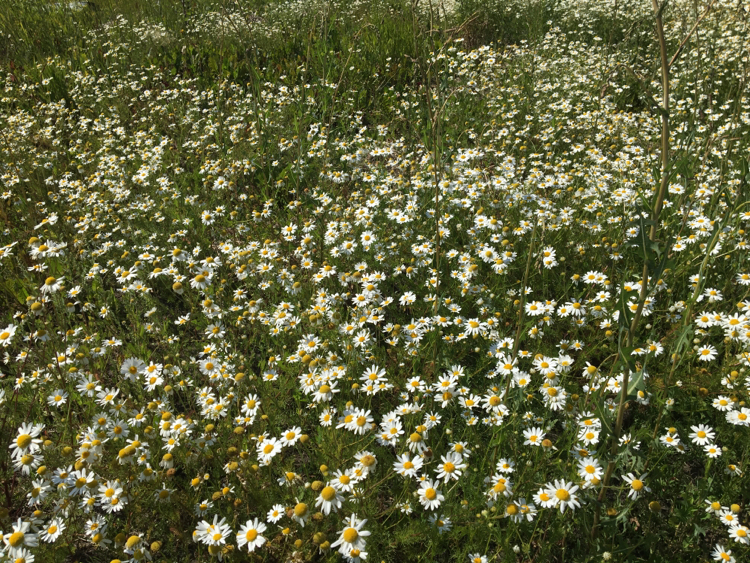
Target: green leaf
[[636, 382]]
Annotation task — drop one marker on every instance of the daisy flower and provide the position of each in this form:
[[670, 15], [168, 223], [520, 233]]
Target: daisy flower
[[6, 336], [589, 469], [407, 466], [53, 530], [533, 436], [706, 353], [26, 441], [250, 535], [721, 554], [563, 495], [57, 399], [20, 537], [637, 485], [276, 513], [291, 436], [712, 451], [740, 534], [429, 496], [267, 449], [352, 539], [329, 499], [722, 403], [301, 513], [451, 467]]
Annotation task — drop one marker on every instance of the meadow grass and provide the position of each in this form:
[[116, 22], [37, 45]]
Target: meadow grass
[[374, 281]]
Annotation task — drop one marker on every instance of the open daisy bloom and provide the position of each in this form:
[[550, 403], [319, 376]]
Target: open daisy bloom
[[352, 542]]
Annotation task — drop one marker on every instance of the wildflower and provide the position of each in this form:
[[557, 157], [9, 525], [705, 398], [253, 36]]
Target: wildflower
[[53, 530], [329, 499], [291, 436], [723, 555], [276, 513], [451, 467], [26, 442], [407, 466], [352, 538], [740, 534], [589, 469], [711, 450], [442, 523], [6, 335], [533, 437], [57, 399], [429, 496], [215, 533], [51, 285], [250, 536], [636, 485], [563, 495], [722, 403], [301, 513], [20, 538], [706, 353]]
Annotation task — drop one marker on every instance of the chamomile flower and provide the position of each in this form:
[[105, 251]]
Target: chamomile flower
[[563, 495], [329, 500], [429, 496], [250, 535], [352, 537], [637, 486]]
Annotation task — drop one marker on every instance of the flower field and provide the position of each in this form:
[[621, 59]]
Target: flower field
[[374, 281]]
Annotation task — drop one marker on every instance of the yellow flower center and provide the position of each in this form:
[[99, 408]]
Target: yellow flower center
[[350, 535], [16, 539], [430, 494], [23, 441], [562, 494], [328, 493], [251, 535]]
